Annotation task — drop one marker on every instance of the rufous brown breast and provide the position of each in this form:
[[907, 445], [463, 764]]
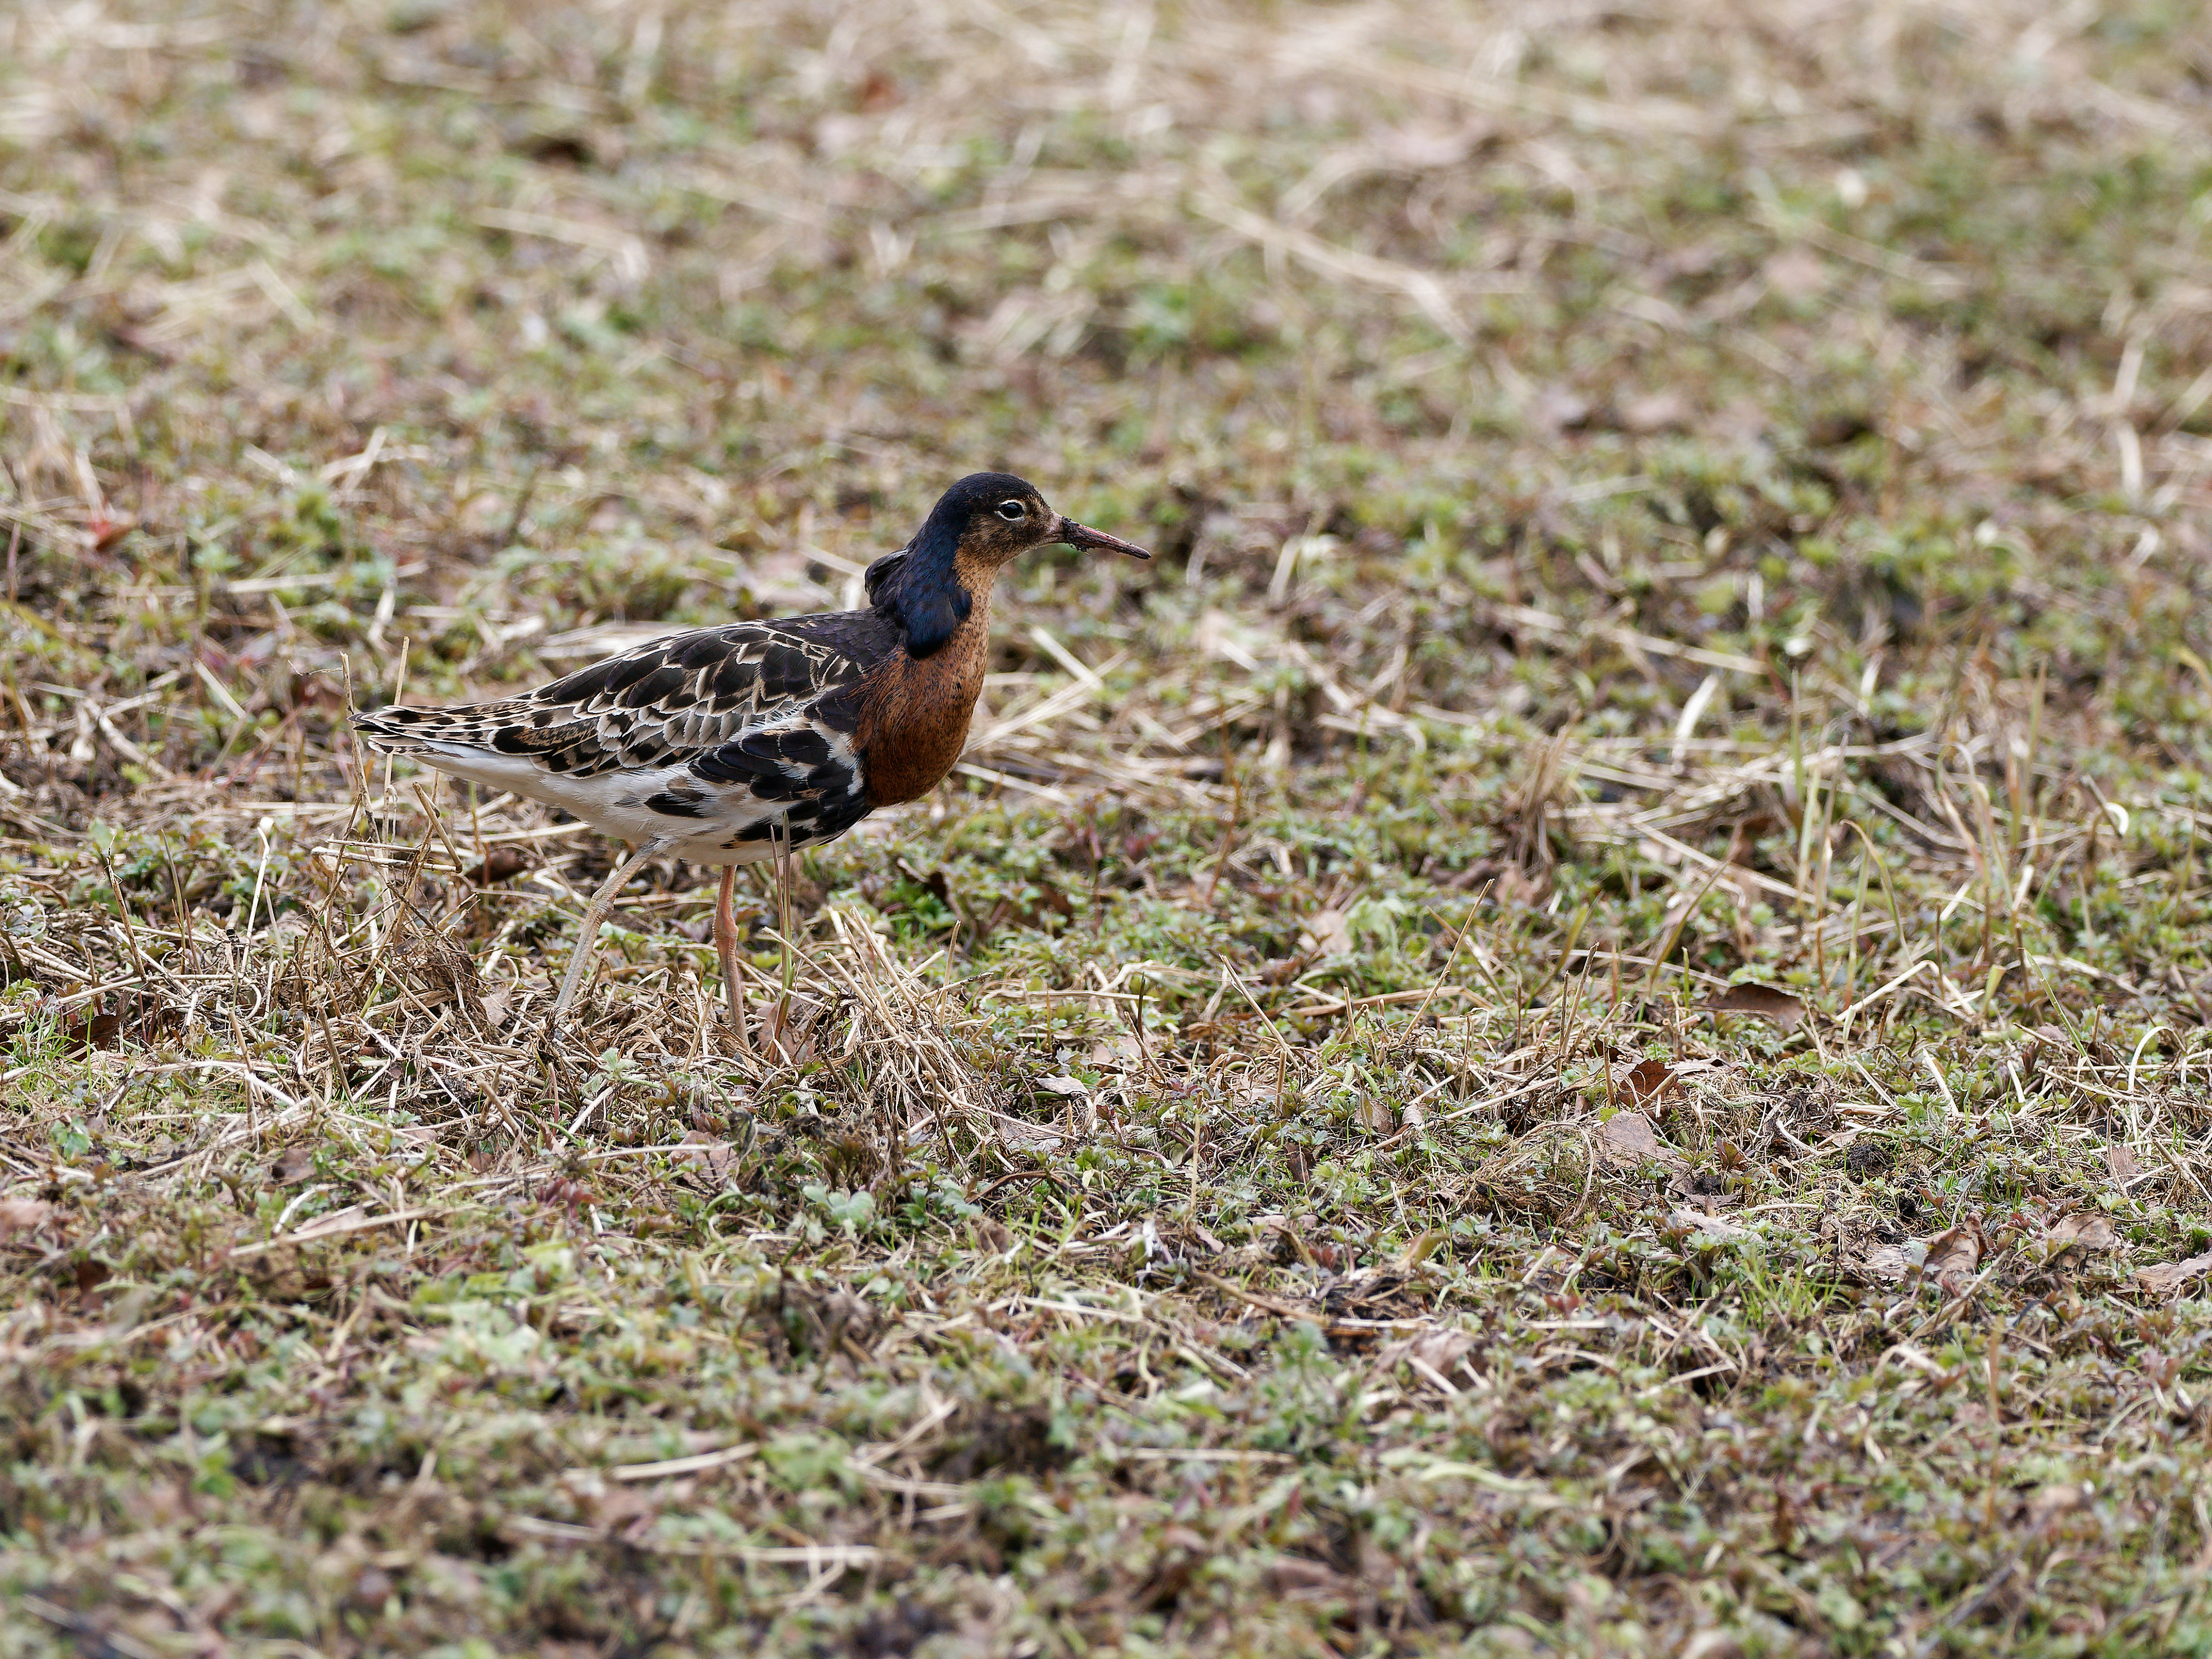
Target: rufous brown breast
[[914, 715]]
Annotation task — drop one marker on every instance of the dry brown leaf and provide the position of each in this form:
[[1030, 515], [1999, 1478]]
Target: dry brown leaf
[[1889, 1262], [2123, 1163], [1329, 933], [1952, 1256], [2091, 1232], [1763, 1000], [2061, 1497], [1629, 1139], [1698, 1221], [1295, 1579], [1797, 273], [501, 864], [1661, 411], [1439, 1349], [715, 1158], [23, 1215], [1559, 409], [90, 1030], [1118, 1053], [2168, 1277], [1949, 1258], [1647, 1080]]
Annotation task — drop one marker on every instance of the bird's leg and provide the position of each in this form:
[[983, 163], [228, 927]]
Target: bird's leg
[[783, 906], [725, 942], [594, 913], [776, 1029]]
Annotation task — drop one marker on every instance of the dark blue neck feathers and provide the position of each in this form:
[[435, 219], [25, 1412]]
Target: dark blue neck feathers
[[918, 588]]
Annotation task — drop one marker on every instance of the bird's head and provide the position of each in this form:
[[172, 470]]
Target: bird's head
[[990, 517], [976, 526]]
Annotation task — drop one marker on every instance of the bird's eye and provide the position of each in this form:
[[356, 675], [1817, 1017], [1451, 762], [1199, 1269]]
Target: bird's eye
[[1013, 512]]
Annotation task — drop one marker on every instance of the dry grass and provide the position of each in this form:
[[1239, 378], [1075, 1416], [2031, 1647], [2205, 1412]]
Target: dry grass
[[1578, 1027]]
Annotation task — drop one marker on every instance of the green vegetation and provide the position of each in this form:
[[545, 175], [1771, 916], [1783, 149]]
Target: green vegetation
[[1576, 1027]]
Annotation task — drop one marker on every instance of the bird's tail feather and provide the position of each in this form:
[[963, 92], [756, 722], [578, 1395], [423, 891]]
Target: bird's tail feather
[[432, 731]]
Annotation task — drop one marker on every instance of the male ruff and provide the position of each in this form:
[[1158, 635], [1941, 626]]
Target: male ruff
[[729, 745]]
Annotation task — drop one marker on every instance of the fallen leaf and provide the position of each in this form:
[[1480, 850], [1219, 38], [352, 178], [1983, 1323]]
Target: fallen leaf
[[1697, 1221], [1376, 1115], [2061, 1497], [1630, 1140], [93, 1030], [1559, 409], [1063, 1085], [21, 1215], [1330, 934], [780, 1036], [1647, 1080], [1120, 1053], [2167, 1278], [1439, 1349], [1834, 428], [293, 1165], [2123, 1163], [1891, 1262], [1954, 1255], [716, 1158], [501, 864], [1763, 1000], [1296, 1578], [106, 532], [2091, 1232], [1797, 273], [1661, 411]]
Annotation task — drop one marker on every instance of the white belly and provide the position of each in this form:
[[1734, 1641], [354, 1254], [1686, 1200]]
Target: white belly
[[613, 804]]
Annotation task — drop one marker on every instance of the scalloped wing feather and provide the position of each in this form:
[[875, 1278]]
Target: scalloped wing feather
[[724, 736]]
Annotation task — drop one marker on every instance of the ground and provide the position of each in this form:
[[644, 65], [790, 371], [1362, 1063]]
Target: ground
[[1577, 1026]]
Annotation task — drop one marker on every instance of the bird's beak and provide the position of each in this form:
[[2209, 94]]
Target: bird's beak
[[1082, 535]]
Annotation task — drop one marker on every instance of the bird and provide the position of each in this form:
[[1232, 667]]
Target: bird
[[733, 744]]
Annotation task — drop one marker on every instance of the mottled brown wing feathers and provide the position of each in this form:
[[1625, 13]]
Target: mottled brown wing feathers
[[692, 696]]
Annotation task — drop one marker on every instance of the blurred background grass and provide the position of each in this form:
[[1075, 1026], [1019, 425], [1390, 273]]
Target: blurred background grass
[[1870, 329]]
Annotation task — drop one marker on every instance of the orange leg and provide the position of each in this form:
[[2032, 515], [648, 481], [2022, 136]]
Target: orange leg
[[725, 942]]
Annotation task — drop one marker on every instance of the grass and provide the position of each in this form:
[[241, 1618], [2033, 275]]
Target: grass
[[1578, 1026]]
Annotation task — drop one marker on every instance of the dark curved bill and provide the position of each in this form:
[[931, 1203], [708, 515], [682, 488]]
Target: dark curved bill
[[1082, 535]]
